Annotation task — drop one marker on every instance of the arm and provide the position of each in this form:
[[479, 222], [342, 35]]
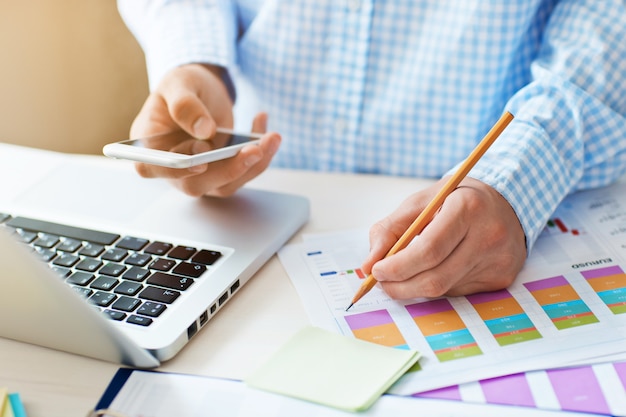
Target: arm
[[174, 33], [568, 134], [570, 121]]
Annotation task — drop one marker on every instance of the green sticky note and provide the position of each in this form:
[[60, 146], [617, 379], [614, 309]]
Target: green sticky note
[[331, 369]]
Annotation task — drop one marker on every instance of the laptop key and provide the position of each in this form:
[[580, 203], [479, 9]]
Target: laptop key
[[127, 304], [112, 269], [136, 274], [115, 315], [104, 283], [26, 236], [160, 295], [80, 278], [46, 241], [62, 271], [182, 252], [78, 233], [85, 292], [206, 257], [189, 269], [65, 259], [69, 245], [170, 281], [92, 250], [128, 288], [102, 299], [114, 254], [151, 309], [132, 243], [142, 321], [138, 259], [158, 248], [46, 254], [89, 264], [162, 264]]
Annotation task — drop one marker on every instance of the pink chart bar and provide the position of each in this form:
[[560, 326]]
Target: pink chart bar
[[369, 319]]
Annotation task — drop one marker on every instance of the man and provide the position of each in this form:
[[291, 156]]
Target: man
[[403, 88]]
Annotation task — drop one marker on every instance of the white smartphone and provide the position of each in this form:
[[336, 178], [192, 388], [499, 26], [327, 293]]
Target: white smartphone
[[171, 149]]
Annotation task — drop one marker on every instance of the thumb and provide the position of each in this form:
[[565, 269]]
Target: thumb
[[190, 113], [259, 124]]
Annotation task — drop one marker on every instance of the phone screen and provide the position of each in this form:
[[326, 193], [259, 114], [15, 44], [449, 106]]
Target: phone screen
[[170, 141]]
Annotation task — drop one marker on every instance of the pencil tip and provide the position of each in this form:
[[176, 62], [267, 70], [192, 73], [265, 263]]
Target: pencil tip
[[350, 306]]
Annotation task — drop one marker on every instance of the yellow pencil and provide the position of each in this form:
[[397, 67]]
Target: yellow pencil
[[427, 214]]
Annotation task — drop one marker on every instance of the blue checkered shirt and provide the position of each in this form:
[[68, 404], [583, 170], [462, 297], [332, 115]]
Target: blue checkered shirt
[[409, 87]]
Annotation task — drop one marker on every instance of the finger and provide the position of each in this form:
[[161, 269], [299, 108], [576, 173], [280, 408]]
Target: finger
[[386, 232], [190, 113], [439, 280], [381, 240], [223, 178], [153, 118], [460, 273], [254, 165], [259, 124], [431, 248]]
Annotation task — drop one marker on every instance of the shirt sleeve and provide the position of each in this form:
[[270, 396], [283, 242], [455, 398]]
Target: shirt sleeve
[[569, 131], [176, 32]]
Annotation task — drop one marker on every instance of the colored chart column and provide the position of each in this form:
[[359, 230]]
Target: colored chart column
[[620, 368], [561, 302], [448, 393], [585, 395], [509, 390], [444, 330], [377, 327], [610, 285], [504, 317]]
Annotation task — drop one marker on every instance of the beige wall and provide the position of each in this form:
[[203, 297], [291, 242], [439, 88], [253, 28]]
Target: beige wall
[[72, 77]]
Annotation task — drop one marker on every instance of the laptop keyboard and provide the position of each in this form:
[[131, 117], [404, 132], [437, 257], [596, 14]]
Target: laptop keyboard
[[129, 278]]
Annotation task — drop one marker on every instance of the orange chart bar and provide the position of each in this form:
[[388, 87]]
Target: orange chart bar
[[444, 330]]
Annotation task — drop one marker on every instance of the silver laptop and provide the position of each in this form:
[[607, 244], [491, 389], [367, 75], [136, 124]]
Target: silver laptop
[[97, 261]]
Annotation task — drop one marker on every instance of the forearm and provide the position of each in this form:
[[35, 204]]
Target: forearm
[[570, 122], [175, 33]]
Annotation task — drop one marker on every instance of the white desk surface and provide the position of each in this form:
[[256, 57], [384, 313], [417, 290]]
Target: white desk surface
[[265, 312]]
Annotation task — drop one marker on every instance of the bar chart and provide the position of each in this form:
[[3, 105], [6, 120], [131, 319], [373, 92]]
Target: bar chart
[[561, 302], [504, 317]]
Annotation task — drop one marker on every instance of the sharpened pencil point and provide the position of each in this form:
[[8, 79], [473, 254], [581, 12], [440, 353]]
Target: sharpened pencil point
[[351, 304]]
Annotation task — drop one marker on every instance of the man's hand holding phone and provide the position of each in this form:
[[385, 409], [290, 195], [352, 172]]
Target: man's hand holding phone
[[193, 98]]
